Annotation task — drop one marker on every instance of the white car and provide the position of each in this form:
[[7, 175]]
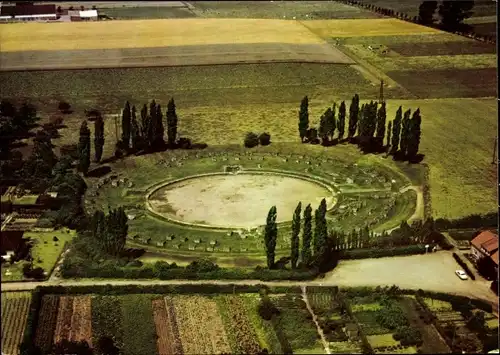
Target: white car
[[461, 274]]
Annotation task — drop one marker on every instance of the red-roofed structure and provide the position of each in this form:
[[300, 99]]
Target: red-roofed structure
[[485, 245]]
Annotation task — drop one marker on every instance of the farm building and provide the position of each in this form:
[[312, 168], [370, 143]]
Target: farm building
[[85, 15], [485, 244], [28, 12], [12, 244]]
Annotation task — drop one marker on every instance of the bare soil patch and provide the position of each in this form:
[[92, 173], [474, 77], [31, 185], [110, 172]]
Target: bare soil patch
[[443, 48], [173, 56], [426, 84], [236, 200]]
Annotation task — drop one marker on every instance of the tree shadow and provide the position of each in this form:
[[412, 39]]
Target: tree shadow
[[132, 253], [99, 172]]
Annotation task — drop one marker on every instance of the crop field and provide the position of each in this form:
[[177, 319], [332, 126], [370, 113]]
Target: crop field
[[366, 28], [176, 324], [279, 10], [15, 307], [442, 48], [459, 83], [123, 34]]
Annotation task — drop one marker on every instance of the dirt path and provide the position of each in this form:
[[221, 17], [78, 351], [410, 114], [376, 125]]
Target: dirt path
[[419, 209], [315, 320]]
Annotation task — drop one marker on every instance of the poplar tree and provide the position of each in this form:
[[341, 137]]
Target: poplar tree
[[341, 125], [159, 130], [303, 118], [307, 236], [353, 117], [396, 130], [171, 123], [126, 115], [405, 133], [135, 131], [84, 149], [270, 236], [415, 133], [144, 121], [320, 229], [331, 121], [98, 138], [389, 130], [323, 128], [295, 235], [381, 119]]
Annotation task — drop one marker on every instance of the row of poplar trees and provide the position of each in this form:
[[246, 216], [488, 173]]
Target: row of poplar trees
[[366, 127], [108, 233], [317, 243], [148, 133], [313, 241]]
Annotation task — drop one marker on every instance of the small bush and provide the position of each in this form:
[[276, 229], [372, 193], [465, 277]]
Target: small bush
[[55, 239], [251, 140], [64, 107], [267, 309], [265, 138], [408, 336]]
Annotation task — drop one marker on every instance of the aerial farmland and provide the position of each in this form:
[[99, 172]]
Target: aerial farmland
[[192, 177]]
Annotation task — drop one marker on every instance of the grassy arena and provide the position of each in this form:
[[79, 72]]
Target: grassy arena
[[151, 33]]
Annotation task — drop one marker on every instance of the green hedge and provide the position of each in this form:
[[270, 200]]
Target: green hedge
[[148, 272], [380, 253]]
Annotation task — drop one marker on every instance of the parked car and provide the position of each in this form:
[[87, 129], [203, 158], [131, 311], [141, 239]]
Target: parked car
[[461, 274]]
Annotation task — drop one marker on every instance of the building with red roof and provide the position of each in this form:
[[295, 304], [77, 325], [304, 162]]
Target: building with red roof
[[485, 245]]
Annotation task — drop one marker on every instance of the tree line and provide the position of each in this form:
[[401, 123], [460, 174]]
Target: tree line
[[451, 16], [366, 126], [145, 133]]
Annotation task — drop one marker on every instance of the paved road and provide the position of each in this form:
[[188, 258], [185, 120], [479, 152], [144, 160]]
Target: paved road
[[431, 272]]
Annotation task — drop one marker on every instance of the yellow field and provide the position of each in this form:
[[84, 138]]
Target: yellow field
[[150, 33], [365, 28]]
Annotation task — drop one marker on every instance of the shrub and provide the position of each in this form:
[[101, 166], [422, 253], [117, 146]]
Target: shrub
[[391, 316], [251, 140], [55, 239], [408, 336], [184, 143], [265, 138], [64, 107], [464, 266], [267, 309], [203, 265]]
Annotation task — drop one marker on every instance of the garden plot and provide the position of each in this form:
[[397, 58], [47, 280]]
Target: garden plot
[[15, 308]]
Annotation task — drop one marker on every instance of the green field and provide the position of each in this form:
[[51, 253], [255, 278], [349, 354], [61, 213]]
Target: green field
[[45, 252]]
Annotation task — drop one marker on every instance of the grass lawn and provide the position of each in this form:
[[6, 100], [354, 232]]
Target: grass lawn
[[438, 305], [344, 347], [407, 350], [26, 200], [381, 340], [45, 252]]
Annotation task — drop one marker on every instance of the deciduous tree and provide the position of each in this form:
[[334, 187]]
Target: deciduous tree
[[453, 13], [426, 12]]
